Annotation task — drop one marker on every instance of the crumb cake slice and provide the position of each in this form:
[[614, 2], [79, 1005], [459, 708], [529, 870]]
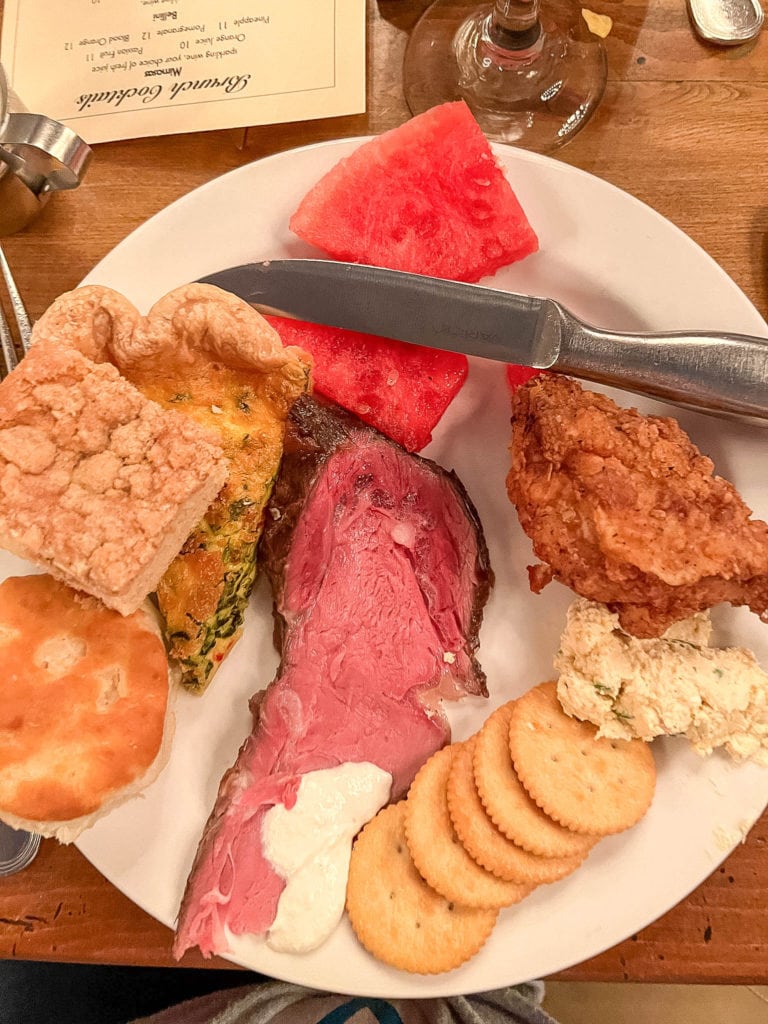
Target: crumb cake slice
[[98, 484]]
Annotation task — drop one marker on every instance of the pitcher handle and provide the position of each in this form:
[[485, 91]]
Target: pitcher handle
[[44, 154], [59, 158]]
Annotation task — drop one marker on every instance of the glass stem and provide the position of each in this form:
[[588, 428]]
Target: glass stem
[[515, 24]]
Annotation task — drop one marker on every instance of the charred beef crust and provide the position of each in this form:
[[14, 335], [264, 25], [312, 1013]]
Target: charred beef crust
[[315, 430]]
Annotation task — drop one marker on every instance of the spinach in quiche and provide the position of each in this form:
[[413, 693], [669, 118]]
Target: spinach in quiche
[[204, 592]]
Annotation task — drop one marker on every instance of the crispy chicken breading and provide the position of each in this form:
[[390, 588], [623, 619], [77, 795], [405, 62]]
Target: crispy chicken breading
[[625, 510]]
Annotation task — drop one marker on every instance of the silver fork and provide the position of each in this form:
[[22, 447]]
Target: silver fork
[[10, 357], [17, 848]]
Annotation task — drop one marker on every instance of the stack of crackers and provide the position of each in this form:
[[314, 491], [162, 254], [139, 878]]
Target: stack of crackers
[[519, 804]]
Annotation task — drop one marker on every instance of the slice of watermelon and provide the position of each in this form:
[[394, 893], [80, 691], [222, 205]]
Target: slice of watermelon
[[400, 389], [427, 197]]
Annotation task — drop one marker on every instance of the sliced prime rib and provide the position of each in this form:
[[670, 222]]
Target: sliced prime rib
[[379, 572]]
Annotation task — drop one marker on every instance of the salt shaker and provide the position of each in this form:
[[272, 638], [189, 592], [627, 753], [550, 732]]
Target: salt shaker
[[38, 156], [726, 22]]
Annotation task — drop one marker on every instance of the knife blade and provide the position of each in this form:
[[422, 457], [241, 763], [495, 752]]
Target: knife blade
[[721, 373]]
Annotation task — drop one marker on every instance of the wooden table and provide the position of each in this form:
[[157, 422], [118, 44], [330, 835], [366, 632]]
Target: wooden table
[[683, 126]]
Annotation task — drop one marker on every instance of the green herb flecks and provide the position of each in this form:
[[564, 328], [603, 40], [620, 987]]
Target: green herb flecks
[[215, 636], [235, 543], [237, 508]]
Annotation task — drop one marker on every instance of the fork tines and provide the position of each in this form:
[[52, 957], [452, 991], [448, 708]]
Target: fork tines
[[7, 345]]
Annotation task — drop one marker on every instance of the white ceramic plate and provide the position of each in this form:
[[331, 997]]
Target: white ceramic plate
[[619, 264]]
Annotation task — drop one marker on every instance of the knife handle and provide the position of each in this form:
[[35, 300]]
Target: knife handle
[[725, 374]]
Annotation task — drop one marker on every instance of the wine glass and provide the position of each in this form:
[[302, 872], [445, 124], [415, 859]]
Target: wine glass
[[531, 77]]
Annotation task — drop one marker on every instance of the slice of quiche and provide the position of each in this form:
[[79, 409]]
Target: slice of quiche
[[207, 354], [204, 592]]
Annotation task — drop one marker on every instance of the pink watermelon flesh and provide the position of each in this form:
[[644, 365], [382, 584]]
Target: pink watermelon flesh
[[427, 197], [519, 375], [401, 390]]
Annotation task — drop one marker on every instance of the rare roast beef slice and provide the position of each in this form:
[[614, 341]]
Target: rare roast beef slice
[[379, 572]]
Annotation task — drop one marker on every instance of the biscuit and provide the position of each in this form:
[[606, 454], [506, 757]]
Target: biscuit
[[396, 916], [485, 842], [593, 786], [84, 698], [508, 804], [436, 851]]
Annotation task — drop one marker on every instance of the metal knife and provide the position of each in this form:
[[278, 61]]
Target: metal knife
[[726, 374]]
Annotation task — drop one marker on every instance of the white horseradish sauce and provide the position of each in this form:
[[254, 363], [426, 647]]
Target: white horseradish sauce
[[309, 846]]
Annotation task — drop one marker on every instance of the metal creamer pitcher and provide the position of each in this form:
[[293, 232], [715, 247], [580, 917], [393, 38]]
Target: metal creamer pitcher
[[38, 156]]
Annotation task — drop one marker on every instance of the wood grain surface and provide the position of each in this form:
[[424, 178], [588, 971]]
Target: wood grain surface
[[684, 127]]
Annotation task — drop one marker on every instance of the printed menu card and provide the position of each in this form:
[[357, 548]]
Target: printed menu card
[[121, 69]]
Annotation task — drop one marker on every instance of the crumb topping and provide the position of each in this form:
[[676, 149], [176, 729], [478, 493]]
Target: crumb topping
[[92, 474]]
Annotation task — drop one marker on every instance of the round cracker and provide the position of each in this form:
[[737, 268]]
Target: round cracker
[[506, 801], [396, 916], [485, 843], [436, 851], [595, 786]]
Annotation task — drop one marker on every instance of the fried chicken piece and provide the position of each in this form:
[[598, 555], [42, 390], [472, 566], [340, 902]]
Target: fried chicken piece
[[625, 510]]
